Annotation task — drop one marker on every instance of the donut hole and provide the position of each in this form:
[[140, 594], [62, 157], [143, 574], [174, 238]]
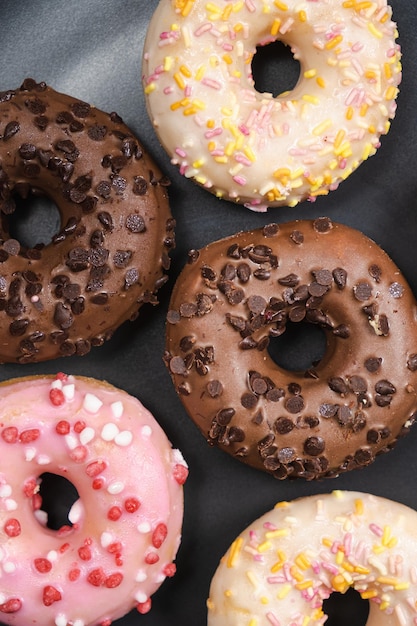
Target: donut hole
[[300, 347], [346, 609], [58, 496], [274, 69], [35, 220]]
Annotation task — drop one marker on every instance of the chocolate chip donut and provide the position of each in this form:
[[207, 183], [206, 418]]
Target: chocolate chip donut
[[238, 294], [111, 252]]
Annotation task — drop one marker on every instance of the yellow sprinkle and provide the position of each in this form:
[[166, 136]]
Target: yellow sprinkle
[[197, 164], [384, 605], [302, 561], [280, 532], [360, 569], [302, 16], [339, 583], [387, 71], [386, 536], [226, 111], [264, 600], [284, 592], [213, 8], [199, 104], [284, 503], [359, 506], [249, 153], [211, 123], [227, 59], [226, 12], [391, 93], [338, 493], [363, 6], [363, 110], [322, 127], [252, 579], [230, 148], [342, 149], [377, 549], [238, 6], [185, 71], [368, 594], [402, 586], [319, 192], [200, 72], [371, 129], [310, 73], [210, 604], [348, 567], [234, 551], [384, 17], [370, 74], [228, 593], [374, 31], [221, 159], [264, 546], [306, 584], [150, 88], [185, 7], [295, 573], [179, 80], [175, 106], [168, 63], [306, 621], [211, 146], [253, 622], [201, 180], [192, 110], [311, 99], [327, 542], [276, 25], [332, 43], [349, 113], [339, 138], [281, 5]]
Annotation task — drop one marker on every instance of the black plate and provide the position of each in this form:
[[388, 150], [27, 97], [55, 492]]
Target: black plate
[[92, 50]]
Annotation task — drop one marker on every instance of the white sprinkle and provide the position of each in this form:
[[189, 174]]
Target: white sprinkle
[[41, 516], [141, 597], [69, 392], [141, 576], [116, 487], [117, 408], [144, 527], [146, 431], [76, 512], [56, 384], [5, 491], [71, 441], [87, 435], [61, 620], [124, 438], [91, 403], [30, 454], [43, 459], [52, 556], [109, 431], [11, 505], [106, 539], [79, 622], [9, 567]]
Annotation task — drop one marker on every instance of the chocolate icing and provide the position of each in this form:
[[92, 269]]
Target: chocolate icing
[[237, 294], [111, 253]]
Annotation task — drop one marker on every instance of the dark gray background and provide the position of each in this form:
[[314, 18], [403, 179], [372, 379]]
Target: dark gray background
[[92, 50]]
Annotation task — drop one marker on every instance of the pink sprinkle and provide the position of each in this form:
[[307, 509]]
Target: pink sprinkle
[[272, 619], [250, 6], [377, 530], [168, 90], [240, 180], [213, 133], [228, 47], [244, 130], [181, 153], [240, 158], [210, 82], [203, 29], [357, 47], [275, 580], [342, 164]]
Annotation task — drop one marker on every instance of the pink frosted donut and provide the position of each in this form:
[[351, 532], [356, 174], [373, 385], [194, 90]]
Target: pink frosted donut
[[281, 569], [253, 148], [126, 524]]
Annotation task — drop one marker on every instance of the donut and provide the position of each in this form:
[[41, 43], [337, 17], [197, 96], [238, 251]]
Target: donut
[[126, 524], [251, 147], [110, 256], [282, 568], [233, 301]]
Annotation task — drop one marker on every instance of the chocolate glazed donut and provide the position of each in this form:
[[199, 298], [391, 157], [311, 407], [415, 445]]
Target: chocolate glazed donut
[[237, 294], [111, 252]]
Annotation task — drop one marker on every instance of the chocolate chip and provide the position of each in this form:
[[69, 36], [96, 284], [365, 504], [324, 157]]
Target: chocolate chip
[[412, 362], [224, 416], [131, 278], [12, 247], [270, 230], [314, 446], [103, 189], [286, 455], [81, 109], [188, 309], [291, 280], [105, 220], [256, 304], [362, 291], [62, 316], [119, 184], [27, 151], [385, 388], [358, 384], [121, 258], [283, 425], [204, 304], [78, 306], [328, 410], [338, 385], [373, 436], [363, 456], [41, 122], [249, 400], [375, 272], [208, 273], [396, 290], [259, 386], [135, 223], [275, 394], [373, 364], [214, 388], [323, 277], [297, 237], [243, 272], [97, 132], [140, 186], [340, 277], [177, 366], [236, 434], [322, 225], [71, 291], [18, 327], [100, 299]]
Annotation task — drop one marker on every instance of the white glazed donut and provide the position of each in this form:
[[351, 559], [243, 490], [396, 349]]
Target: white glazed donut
[[247, 146], [282, 567], [126, 523]]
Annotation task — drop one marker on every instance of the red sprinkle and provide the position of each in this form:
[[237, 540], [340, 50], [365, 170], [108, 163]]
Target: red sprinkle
[[170, 569], [132, 505], [180, 473], [95, 468], [36, 502], [63, 427], [159, 535], [114, 513], [97, 577], [56, 397], [98, 483], [64, 548], [11, 606], [114, 547], [79, 426], [74, 574], [61, 376], [79, 454], [12, 527], [32, 434], [43, 565], [151, 558], [114, 580], [30, 487], [84, 553], [51, 595], [10, 434], [144, 607]]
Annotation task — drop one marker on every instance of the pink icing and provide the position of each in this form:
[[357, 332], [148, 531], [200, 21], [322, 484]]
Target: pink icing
[[126, 524]]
